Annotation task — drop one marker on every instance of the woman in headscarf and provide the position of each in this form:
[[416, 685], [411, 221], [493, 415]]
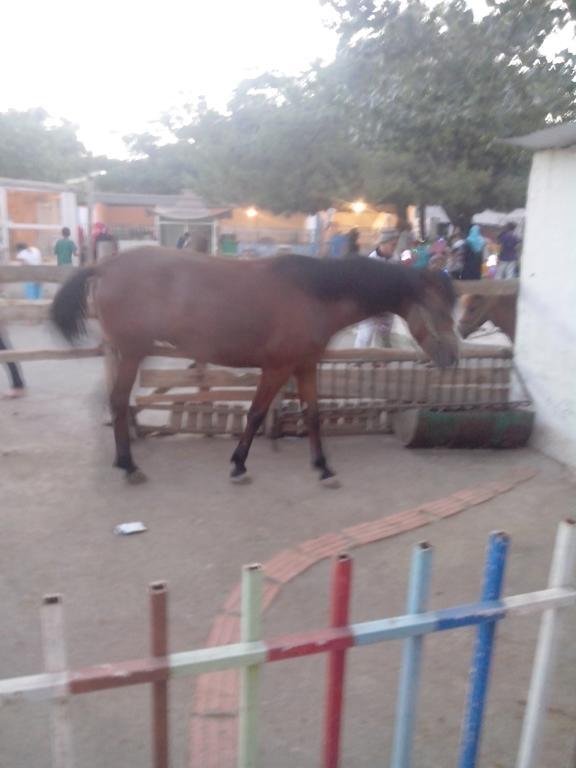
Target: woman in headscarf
[[474, 246], [422, 254]]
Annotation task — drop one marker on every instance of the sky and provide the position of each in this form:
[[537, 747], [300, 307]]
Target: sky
[[113, 66]]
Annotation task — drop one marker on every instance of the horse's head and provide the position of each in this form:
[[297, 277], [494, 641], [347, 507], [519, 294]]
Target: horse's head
[[429, 317], [475, 314]]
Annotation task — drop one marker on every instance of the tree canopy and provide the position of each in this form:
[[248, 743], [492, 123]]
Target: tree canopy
[[410, 111], [34, 146], [430, 90]]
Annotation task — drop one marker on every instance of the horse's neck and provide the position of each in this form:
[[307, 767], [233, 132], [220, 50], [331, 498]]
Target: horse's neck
[[345, 313]]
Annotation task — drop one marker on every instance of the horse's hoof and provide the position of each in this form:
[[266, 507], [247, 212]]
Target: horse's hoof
[[136, 478], [243, 479], [330, 482]]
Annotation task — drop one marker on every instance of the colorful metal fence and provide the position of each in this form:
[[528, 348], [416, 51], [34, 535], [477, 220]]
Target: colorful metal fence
[[58, 684]]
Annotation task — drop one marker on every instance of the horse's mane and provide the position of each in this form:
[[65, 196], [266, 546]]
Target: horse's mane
[[376, 286]]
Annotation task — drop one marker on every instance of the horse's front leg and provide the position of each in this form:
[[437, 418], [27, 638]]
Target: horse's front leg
[[270, 383], [308, 391], [127, 368]]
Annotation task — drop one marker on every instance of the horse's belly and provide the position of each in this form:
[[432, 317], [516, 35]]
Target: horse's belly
[[234, 352]]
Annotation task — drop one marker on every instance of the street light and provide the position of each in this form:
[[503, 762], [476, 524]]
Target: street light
[[251, 212], [88, 182]]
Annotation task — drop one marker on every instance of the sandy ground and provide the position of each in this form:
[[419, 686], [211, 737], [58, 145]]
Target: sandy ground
[[60, 500]]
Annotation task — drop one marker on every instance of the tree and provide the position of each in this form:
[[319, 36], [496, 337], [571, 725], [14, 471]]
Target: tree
[[165, 169], [35, 146], [275, 150], [430, 90]]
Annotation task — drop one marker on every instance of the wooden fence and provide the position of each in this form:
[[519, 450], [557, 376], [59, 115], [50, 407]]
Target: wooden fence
[[358, 389], [59, 685]]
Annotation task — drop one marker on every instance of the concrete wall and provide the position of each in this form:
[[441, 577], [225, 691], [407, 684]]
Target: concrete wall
[[546, 343], [124, 215]]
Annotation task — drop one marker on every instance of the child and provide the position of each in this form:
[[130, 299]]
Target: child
[[65, 249]]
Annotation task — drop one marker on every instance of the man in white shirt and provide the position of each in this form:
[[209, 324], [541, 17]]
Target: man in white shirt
[[30, 255], [378, 329]]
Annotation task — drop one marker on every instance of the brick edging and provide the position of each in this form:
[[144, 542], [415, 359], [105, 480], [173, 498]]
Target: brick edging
[[215, 703]]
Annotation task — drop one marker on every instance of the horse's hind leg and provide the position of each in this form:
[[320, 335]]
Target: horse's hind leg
[[269, 385], [308, 391], [127, 368]]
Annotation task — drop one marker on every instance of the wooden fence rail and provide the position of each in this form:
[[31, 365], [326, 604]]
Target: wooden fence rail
[[35, 355], [51, 273], [487, 287], [34, 273]]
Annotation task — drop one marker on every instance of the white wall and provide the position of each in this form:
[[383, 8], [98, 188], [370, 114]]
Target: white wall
[[69, 213], [546, 340]]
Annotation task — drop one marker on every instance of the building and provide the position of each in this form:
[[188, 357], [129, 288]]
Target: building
[[546, 335], [136, 218], [34, 212], [149, 218]]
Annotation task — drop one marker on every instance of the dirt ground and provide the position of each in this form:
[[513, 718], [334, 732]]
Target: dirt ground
[[60, 500]]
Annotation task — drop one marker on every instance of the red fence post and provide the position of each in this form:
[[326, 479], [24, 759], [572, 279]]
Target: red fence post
[[159, 647], [340, 604]]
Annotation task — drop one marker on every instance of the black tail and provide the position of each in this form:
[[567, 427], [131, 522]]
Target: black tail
[[70, 306]]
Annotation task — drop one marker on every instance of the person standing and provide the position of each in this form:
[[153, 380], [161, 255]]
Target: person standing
[[18, 388], [473, 254], [422, 254], [30, 255], [65, 249], [183, 241], [104, 243], [353, 242], [455, 255], [508, 257], [378, 330]]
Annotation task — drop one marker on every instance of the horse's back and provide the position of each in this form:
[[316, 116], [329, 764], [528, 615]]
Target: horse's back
[[216, 309]]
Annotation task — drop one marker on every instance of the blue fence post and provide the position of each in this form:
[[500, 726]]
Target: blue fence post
[[494, 568], [418, 589]]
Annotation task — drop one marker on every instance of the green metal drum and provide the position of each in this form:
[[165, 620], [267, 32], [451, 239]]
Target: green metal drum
[[424, 428]]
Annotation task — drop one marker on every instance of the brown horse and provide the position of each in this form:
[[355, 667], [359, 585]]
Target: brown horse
[[501, 310], [275, 314]]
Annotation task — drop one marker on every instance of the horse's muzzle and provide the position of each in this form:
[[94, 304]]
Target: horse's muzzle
[[445, 354], [464, 330]]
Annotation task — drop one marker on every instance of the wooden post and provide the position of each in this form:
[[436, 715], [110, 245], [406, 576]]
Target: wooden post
[[418, 590], [494, 569], [250, 687], [4, 229], [159, 648], [90, 251], [54, 645], [561, 575], [339, 617]]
